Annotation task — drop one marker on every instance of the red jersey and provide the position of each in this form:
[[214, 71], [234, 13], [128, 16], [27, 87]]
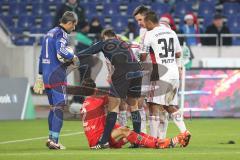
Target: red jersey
[[94, 117]]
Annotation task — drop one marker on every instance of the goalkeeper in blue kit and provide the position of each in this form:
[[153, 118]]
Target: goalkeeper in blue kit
[[53, 72]]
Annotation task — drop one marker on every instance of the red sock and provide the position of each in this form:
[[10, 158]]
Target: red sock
[[138, 139]]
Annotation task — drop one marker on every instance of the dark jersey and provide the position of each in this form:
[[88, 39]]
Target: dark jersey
[[117, 52]]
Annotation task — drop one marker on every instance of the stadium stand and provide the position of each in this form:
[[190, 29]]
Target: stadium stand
[[36, 16]]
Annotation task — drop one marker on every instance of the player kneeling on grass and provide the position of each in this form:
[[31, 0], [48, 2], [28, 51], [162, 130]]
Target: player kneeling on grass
[[94, 119], [52, 73]]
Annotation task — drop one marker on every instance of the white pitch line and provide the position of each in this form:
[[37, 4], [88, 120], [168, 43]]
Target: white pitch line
[[37, 138], [115, 153]]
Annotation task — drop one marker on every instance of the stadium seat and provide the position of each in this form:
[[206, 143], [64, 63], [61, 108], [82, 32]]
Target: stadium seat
[[16, 30], [47, 22], [122, 1], [206, 9], [35, 1], [210, 1], [142, 1], [119, 23], [8, 20], [36, 30], [182, 9], [131, 7], [25, 22], [207, 21], [111, 9], [234, 24], [231, 9], [107, 2], [22, 41], [191, 2], [90, 8], [16, 9], [39, 9], [161, 8]]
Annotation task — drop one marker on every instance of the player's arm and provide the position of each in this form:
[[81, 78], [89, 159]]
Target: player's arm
[[61, 44], [94, 49], [178, 53], [144, 48]]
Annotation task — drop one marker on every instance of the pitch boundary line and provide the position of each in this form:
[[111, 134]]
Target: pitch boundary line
[[109, 153], [38, 138]]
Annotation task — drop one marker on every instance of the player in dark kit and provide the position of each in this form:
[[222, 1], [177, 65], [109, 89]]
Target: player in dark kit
[[94, 119], [126, 81]]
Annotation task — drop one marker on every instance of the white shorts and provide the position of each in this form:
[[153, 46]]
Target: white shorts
[[164, 92]]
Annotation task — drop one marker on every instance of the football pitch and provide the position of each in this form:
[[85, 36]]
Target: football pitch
[[25, 140]]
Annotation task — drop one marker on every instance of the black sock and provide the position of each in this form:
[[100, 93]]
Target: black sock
[[136, 120], [110, 122]]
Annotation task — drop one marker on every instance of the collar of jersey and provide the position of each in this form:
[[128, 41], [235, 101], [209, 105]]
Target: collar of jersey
[[63, 28]]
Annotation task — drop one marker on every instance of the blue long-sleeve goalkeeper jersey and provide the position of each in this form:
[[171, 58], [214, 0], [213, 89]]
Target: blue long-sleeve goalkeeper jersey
[[52, 70]]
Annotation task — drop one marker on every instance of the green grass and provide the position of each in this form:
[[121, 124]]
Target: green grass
[[208, 134]]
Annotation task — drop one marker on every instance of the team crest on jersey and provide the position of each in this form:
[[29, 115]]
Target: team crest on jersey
[[139, 137]]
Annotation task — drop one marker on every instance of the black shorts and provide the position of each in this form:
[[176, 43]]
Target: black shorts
[[126, 85]]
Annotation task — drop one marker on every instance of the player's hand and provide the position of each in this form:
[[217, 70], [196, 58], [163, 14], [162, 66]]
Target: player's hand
[[75, 61], [39, 85], [109, 78]]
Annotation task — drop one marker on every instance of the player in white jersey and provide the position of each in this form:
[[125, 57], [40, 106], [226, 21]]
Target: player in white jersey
[[163, 45], [158, 120], [139, 14]]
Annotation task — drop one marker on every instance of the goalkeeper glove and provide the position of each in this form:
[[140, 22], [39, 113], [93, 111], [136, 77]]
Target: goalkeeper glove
[[39, 85]]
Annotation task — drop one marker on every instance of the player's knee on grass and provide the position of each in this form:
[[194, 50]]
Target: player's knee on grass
[[113, 104]]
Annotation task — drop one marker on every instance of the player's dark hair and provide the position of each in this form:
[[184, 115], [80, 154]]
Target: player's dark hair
[[151, 16], [140, 10], [108, 33], [69, 16], [88, 87]]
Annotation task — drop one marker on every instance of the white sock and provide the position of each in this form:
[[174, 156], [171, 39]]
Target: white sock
[[163, 125], [122, 118], [143, 120], [178, 120], [153, 123]]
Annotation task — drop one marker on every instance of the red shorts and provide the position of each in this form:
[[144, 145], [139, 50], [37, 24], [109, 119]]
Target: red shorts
[[113, 144]]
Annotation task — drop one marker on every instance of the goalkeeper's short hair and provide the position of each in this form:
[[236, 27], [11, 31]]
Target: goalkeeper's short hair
[[69, 16]]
